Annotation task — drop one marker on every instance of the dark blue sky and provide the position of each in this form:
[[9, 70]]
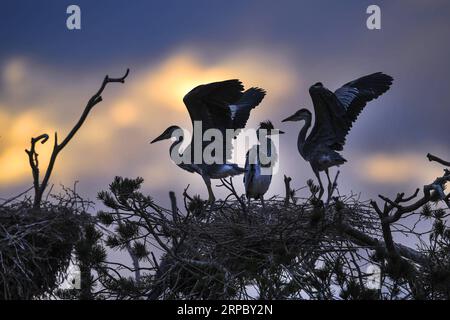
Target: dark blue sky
[[117, 31]]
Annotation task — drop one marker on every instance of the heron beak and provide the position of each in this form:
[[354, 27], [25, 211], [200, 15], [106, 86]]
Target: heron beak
[[275, 131], [291, 118], [161, 137]]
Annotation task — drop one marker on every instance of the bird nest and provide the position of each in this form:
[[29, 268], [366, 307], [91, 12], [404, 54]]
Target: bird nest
[[245, 239], [289, 247], [215, 251], [35, 247]]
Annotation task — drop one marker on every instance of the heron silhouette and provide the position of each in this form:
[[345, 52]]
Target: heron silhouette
[[259, 163], [218, 105], [334, 117]]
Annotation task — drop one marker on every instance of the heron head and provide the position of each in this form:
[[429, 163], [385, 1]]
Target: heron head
[[302, 114], [167, 134], [317, 87], [268, 129]]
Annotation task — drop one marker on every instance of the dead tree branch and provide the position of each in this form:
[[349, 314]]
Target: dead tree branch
[[437, 159], [39, 187]]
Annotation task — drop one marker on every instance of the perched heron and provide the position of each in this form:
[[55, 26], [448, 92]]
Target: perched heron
[[334, 116], [219, 105], [259, 163]]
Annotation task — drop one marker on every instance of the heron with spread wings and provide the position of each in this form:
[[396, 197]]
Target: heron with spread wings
[[334, 117], [218, 105]]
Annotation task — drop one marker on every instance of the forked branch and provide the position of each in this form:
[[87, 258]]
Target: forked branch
[[39, 187], [393, 209]]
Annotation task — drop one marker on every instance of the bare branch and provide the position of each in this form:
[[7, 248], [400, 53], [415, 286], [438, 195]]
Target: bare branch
[[437, 159], [173, 203], [33, 156]]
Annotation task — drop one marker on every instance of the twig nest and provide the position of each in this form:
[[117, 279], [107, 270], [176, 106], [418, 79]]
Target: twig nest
[[35, 248]]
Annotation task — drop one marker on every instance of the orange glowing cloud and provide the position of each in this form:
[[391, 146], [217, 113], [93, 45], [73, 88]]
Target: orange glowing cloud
[[124, 114], [398, 168], [17, 129], [166, 84], [150, 100]]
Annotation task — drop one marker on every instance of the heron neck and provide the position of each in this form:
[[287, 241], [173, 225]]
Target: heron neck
[[268, 156], [176, 145], [268, 142], [302, 136]]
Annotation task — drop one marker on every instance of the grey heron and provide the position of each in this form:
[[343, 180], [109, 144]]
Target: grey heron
[[219, 105], [334, 116], [259, 163]]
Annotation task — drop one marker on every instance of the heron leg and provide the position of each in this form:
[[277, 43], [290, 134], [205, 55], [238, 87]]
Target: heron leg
[[261, 197], [263, 204], [316, 172], [211, 197], [330, 185]]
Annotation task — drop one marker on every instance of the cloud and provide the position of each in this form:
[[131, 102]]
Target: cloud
[[114, 139], [16, 131], [164, 86], [14, 73], [124, 114], [397, 168]]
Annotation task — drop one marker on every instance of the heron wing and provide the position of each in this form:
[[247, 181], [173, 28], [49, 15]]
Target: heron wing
[[330, 121], [336, 112], [240, 111], [222, 105], [354, 95], [209, 103]]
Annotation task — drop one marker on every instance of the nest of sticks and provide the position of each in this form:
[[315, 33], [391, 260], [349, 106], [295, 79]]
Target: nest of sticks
[[216, 251], [287, 247], [36, 246], [219, 250], [245, 239]]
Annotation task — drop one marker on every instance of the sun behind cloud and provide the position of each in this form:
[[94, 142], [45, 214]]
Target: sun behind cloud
[[118, 130], [168, 82]]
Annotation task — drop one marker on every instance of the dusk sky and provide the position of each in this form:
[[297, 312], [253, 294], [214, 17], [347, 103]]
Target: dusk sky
[[47, 74]]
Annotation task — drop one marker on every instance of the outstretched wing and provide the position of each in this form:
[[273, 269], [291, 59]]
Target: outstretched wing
[[240, 111], [331, 123], [354, 95], [336, 112], [210, 103], [222, 105]]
